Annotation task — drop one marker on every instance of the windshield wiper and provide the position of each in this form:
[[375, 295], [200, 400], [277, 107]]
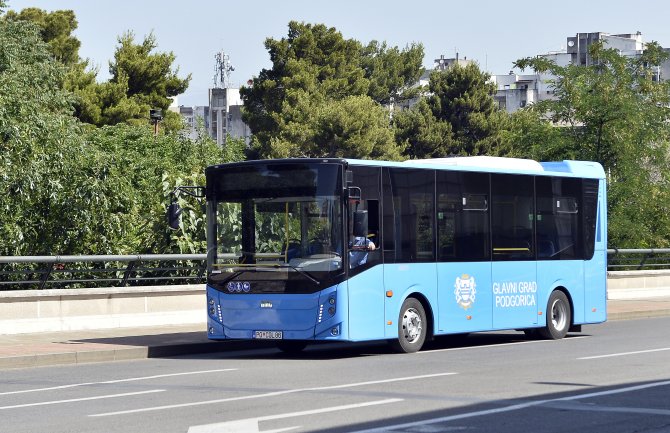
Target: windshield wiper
[[298, 270]]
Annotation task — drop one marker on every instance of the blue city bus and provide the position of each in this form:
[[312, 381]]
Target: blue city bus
[[304, 250]]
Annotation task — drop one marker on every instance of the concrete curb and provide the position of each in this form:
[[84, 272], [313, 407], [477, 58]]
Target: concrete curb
[[126, 353], [630, 315]]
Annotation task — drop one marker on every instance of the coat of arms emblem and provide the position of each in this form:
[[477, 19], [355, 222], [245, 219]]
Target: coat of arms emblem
[[465, 291]]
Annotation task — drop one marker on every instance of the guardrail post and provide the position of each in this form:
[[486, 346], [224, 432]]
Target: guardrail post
[[126, 275], [643, 261], [45, 275], [203, 269]]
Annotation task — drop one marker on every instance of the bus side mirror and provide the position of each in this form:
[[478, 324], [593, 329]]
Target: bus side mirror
[[361, 223], [173, 215], [354, 193]]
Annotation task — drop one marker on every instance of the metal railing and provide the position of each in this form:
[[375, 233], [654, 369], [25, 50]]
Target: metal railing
[[629, 259], [40, 272]]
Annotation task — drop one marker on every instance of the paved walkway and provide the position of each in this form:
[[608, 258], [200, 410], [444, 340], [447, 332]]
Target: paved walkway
[[33, 350]]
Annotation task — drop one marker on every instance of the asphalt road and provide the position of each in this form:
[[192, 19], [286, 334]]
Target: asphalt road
[[613, 377]]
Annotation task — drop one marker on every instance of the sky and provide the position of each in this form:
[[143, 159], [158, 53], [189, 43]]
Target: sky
[[494, 33]]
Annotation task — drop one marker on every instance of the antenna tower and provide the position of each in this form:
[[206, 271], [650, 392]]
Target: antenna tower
[[222, 70]]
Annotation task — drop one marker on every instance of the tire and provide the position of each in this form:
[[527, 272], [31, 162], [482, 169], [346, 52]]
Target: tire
[[412, 327], [559, 317], [291, 346]]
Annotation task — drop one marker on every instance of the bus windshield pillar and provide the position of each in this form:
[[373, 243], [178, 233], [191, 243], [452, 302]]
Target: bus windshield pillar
[[248, 232]]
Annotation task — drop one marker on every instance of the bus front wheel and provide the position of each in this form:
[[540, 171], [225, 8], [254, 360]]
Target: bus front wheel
[[558, 317], [412, 327]]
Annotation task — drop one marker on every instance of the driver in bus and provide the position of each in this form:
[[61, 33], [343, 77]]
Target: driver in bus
[[358, 251]]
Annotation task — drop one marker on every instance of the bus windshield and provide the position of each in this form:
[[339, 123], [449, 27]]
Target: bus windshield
[[275, 222]]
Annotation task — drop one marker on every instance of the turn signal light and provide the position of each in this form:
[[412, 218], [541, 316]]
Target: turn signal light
[[389, 293]]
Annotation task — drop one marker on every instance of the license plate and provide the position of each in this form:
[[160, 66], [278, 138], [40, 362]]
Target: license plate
[[268, 335]]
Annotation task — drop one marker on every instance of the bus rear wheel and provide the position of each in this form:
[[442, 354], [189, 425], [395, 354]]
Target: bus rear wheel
[[412, 327], [559, 317]]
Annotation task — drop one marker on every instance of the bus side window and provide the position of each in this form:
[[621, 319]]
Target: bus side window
[[512, 217], [463, 216]]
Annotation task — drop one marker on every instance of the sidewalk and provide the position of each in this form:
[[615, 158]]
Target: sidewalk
[[34, 350]]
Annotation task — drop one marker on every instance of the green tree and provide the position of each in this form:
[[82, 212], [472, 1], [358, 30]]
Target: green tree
[[316, 70], [423, 135], [56, 30], [353, 127], [39, 141], [458, 117], [615, 112], [141, 80], [392, 72]]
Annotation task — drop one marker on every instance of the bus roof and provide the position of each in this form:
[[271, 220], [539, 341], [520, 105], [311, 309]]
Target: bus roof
[[494, 164], [490, 164]]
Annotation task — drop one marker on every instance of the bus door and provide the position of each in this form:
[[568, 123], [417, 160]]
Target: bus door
[[513, 271], [463, 252], [408, 240], [366, 279]]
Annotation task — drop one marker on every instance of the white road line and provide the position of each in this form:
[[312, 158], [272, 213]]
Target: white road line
[[501, 345], [130, 379], [271, 394], [513, 407], [72, 400], [611, 355], [250, 425]]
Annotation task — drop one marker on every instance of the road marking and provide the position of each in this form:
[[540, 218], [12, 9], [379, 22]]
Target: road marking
[[72, 400], [250, 425], [131, 379], [501, 345], [615, 409], [513, 407], [611, 355], [271, 394]]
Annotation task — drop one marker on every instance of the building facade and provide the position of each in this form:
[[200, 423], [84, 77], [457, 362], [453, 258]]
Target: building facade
[[515, 91]]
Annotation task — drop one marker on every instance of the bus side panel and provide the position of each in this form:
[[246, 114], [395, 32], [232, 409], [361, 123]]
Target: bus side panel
[[404, 279], [560, 273], [366, 305], [515, 297], [595, 285], [464, 297]]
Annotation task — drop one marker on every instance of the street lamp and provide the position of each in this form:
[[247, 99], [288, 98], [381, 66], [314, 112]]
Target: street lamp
[[156, 115]]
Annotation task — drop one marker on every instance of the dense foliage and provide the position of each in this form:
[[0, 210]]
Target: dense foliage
[[76, 189]]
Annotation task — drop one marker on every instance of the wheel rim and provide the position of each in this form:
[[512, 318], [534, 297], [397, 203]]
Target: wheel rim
[[412, 325], [559, 315]]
